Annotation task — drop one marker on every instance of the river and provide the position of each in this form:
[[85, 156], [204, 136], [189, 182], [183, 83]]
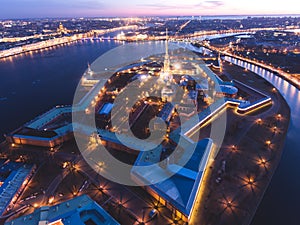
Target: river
[[281, 202], [280, 205], [30, 84], [33, 83]]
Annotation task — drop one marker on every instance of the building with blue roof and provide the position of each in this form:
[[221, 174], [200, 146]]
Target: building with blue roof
[[13, 179], [81, 210], [47, 130], [166, 112], [179, 191], [106, 109]]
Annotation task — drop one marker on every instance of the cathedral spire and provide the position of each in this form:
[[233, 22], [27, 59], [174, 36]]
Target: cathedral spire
[[89, 71], [167, 57]]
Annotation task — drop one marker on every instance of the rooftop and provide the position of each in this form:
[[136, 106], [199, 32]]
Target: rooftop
[[52, 124], [12, 177], [181, 189], [81, 210], [229, 89], [106, 109]]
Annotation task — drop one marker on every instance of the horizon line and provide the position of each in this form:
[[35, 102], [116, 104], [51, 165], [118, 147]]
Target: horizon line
[[153, 16]]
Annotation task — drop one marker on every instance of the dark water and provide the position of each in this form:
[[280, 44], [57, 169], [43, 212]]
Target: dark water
[[281, 203], [32, 84]]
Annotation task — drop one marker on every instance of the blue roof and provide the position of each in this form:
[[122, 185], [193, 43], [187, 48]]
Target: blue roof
[[106, 109], [193, 95], [166, 111], [180, 190], [76, 211], [229, 89], [18, 173]]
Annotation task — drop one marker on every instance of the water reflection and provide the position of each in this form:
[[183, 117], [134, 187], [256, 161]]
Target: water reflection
[[290, 92]]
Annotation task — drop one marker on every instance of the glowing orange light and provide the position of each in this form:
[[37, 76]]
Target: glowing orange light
[[51, 199], [259, 121], [268, 142], [279, 116]]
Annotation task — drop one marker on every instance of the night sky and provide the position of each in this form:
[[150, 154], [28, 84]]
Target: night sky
[[84, 8]]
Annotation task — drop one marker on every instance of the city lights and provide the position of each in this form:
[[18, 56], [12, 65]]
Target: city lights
[[179, 120]]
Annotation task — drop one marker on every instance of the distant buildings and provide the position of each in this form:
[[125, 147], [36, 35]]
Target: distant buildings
[[61, 29]]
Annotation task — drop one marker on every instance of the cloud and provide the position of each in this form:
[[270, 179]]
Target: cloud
[[202, 5], [58, 4], [50, 8], [209, 4], [156, 6], [78, 4]]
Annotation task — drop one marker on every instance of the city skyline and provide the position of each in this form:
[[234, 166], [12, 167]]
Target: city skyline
[[11, 9], [149, 113]]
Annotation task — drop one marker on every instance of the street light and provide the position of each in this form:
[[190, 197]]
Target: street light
[[279, 116], [51, 199], [263, 162], [233, 148], [268, 143], [251, 181], [259, 121]]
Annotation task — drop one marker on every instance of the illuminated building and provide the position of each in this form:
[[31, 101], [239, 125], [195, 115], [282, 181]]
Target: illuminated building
[[166, 78], [180, 191], [12, 186], [61, 29], [78, 211], [48, 130], [88, 79]]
